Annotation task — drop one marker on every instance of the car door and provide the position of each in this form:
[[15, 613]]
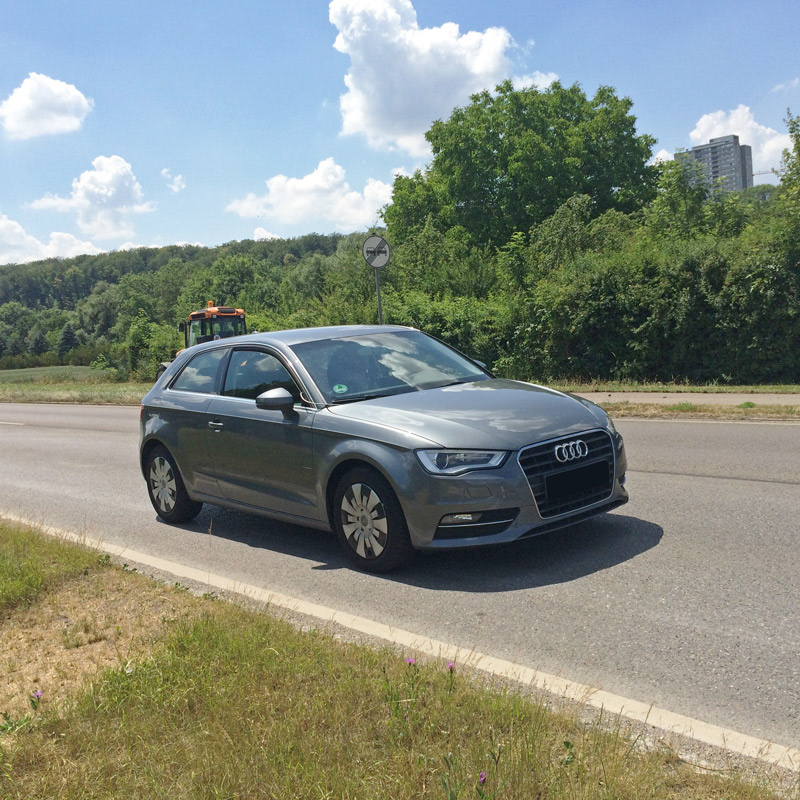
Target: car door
[[261, 458], [183, 420]]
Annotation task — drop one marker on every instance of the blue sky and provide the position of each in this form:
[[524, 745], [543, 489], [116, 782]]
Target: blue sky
[[151, 123]]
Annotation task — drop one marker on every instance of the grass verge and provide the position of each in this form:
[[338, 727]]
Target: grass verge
[[84, 393], [68, 385], [83, 385], [229, 702], [744, 411], [681, 388]]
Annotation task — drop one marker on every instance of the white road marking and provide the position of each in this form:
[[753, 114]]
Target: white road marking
[[715, 735], [12, 423]]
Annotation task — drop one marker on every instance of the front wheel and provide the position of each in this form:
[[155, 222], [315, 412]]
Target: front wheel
[[370, 523], [166, 489]]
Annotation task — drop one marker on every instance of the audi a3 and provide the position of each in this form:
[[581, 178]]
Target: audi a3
[[382, 434]]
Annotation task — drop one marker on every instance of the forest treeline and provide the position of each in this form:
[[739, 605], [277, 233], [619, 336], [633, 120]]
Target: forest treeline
[[538, 240]]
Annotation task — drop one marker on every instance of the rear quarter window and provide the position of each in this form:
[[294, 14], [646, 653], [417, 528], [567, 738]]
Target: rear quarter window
[[200, 374]]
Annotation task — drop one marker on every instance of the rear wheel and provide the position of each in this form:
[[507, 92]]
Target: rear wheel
[[370, 523], [166, 489]]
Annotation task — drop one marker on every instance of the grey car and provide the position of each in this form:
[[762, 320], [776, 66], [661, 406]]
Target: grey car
[[383, 434]]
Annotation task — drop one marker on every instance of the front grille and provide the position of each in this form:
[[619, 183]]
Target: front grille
[[559, 488]]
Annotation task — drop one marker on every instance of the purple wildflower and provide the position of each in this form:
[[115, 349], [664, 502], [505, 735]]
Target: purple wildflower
[[37, 695], [411, 661], [482, 778], [451, 666]]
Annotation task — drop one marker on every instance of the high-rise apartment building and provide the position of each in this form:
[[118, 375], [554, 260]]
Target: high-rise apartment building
[[724, 158]]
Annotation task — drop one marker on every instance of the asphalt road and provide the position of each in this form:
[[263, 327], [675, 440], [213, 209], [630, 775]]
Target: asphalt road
[[686, 598]]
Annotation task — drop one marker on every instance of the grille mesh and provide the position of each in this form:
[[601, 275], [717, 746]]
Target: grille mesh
[[538, 462]]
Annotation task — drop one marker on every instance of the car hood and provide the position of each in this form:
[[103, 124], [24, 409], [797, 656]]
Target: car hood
[[495, 413]]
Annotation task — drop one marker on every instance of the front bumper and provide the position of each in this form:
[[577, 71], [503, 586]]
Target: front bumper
[[500, 505]]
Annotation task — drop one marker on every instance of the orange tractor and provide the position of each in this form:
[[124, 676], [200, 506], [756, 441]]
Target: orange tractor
[[207, 324]]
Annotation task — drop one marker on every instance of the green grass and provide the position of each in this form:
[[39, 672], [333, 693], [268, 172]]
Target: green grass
[[706, 388], [31, 563], [103, 394], [67, 385], [235, 703], [744, 411], [53, 375], [85, 385]]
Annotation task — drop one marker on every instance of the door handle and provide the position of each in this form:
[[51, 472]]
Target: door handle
[[216, 426]]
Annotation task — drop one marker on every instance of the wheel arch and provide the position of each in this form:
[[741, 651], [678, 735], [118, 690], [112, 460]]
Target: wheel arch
[[345, 466], [147, 449]]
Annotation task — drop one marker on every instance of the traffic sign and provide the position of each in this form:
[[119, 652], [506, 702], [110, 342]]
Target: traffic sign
[[376, 251]]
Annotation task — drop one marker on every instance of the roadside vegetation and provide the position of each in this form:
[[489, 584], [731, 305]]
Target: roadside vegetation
[[68, 384], [539, 239], [86, 386], [216, 700]]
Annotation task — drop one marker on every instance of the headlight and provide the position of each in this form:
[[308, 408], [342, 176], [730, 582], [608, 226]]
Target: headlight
[[456, 462]]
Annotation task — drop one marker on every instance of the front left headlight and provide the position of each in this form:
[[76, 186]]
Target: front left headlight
[[457, 462]]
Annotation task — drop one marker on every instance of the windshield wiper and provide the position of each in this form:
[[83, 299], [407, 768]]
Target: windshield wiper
[[358, 397]]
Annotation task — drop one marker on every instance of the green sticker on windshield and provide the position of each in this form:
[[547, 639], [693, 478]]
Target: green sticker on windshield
[[340, 388]]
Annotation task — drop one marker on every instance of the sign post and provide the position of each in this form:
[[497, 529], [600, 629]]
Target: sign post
[[376, 253]]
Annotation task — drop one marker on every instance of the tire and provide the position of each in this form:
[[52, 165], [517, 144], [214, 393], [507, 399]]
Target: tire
[[370, 523], [166, 489]]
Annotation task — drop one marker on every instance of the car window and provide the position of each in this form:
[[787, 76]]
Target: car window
[[252, 372], [200, 374]]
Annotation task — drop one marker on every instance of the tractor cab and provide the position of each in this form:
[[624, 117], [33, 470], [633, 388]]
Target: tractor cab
[[213, 322]]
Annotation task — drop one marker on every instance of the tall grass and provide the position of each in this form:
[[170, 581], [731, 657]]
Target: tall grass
[[68, 385], [236, 703]]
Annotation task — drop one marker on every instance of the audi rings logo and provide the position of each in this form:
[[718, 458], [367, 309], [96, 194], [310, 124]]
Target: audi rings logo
[[571, 451]]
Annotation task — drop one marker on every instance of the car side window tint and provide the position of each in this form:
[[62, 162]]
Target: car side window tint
[[200, 374], [251, 373]]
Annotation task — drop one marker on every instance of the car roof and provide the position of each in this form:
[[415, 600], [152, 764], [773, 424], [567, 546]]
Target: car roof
[[288, 338]]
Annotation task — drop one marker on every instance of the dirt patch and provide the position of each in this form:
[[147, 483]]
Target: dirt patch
[[71, 633]]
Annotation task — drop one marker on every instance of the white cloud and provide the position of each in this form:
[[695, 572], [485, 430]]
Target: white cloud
[[175, 183], [403, 77], [782, 87], [660, 156], [17, 246], [539, 80], [261, 234], [768, 145], [324, 194], [41, 106], [104, 199]]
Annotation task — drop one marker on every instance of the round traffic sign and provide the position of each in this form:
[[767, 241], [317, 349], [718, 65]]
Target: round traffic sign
[[376, 251]]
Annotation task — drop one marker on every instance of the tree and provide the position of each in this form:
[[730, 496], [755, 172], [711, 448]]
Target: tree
[[678, 208], [67, 341], [790, 167], [138, 339], [37, 343], [507, 161]]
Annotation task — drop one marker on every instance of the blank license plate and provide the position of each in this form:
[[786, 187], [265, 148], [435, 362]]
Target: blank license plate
[[577, 481]]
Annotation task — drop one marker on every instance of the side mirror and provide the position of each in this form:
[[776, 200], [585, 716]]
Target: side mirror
[[277, 400], [181, 327]]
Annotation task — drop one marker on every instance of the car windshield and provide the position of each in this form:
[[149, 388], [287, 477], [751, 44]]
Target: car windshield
[[383, 364]]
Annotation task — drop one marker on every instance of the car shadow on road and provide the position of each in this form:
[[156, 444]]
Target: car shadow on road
[[557, 557], [560, 556]]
